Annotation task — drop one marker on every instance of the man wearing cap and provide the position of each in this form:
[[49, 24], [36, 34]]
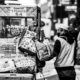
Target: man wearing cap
[[63, 50]]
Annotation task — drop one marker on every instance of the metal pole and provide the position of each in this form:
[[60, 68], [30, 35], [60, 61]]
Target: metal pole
[[53, 16]]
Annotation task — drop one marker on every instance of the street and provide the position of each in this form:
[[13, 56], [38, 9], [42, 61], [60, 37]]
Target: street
[[51, 74], [48, 72]]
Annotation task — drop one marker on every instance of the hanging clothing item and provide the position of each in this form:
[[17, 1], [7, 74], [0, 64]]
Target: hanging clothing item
[[27, 44]]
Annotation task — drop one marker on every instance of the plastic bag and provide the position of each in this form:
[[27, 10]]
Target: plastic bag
[[42, 51]]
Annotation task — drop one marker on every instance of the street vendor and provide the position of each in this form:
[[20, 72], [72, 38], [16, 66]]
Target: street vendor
[[63, 49]]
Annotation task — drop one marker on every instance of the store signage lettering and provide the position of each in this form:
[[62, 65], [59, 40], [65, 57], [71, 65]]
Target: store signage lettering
[[17, 11]]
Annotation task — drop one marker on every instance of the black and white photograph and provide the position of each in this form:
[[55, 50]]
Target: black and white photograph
[[39, 40]]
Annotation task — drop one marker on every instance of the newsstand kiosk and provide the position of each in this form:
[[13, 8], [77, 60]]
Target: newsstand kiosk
[[12, 22]]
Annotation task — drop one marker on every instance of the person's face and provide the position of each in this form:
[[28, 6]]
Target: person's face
[[59, 32]]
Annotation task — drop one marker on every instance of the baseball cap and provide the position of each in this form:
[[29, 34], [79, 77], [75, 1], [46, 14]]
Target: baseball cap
[[62, 26]]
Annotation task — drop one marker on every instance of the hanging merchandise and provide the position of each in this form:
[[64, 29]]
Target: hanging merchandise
[[44, 50], [26, 65], [27, 44]]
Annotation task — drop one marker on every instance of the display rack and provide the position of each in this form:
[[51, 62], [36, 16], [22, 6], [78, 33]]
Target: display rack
[[17, 11]]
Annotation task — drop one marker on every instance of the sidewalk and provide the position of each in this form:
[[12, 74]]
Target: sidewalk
[[48, 72], [51, 74]]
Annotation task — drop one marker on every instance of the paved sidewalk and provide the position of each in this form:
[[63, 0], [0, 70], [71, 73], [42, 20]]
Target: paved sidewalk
[[48, 72], [51, 74]]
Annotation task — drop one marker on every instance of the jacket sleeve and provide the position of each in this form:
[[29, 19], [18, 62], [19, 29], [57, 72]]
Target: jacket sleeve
[[56, 48]]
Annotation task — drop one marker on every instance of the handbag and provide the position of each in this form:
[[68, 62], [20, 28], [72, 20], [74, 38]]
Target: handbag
[[27, 44], [43, 51], [26, 65]]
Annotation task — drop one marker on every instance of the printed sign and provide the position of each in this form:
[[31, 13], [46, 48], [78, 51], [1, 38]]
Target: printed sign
[[18, 11], [7, 47], [71, 8], [4, 11]]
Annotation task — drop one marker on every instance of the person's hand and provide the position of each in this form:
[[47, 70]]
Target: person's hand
[[25, 54]]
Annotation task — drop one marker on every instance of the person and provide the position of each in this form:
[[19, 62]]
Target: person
[[75, 31], [63, 50]]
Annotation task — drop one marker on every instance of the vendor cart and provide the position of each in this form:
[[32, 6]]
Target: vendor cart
[[13, 20]]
